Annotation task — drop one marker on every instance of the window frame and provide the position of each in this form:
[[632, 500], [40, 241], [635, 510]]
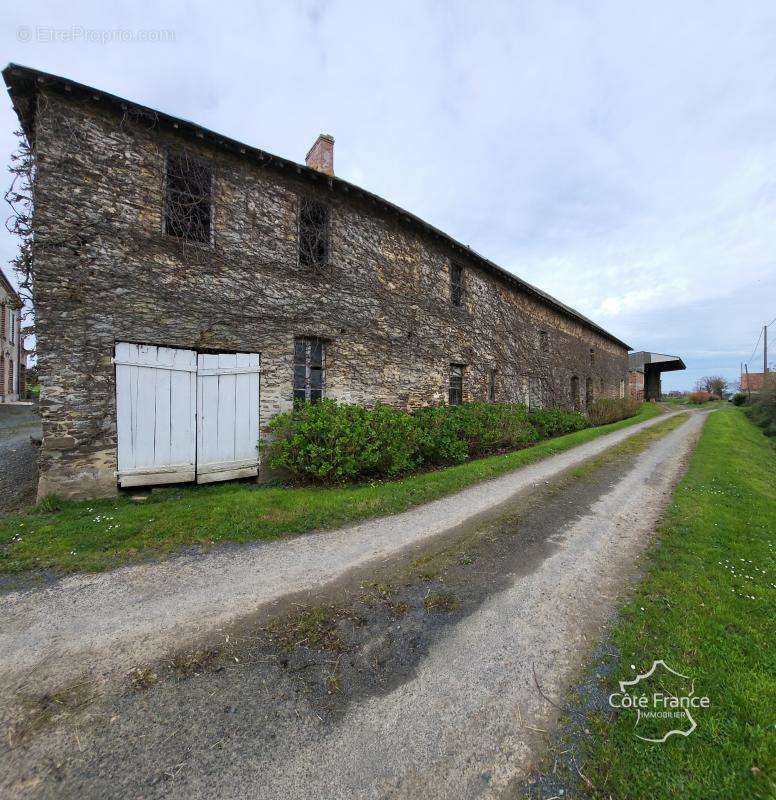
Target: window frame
[[303, 200], [492, 375], [544, 341], [167, 191], [456, 374], [457, 284], [310, 343], [574, 392]]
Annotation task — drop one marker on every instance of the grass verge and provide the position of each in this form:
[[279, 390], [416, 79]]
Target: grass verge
[[101, 534], [706, 607]]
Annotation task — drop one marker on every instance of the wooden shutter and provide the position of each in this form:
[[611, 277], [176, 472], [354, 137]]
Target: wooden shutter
[[227, 416], [156, 414]]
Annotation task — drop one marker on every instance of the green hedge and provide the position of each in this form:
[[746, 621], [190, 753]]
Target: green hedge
[[331, 442], [763, 409], [611, 409]]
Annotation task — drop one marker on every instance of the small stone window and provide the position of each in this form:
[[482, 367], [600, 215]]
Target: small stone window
[[492, 386], [544, 342], [575, 400], [308, 369], [622, 388], [592, 355], [188, 200], [313, 233], [535, 394], [455, 397], [456, 284]]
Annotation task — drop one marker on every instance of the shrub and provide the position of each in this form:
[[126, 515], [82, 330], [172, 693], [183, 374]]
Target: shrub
[[451, 434], [332, 442], [763, 410], [739, 398], [555, 422], [699, 397], [612, 409]]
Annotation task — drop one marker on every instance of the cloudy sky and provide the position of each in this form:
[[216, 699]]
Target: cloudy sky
[[620, 155]]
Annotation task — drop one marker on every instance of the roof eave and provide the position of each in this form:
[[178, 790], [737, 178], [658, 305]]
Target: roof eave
[[20, 79]]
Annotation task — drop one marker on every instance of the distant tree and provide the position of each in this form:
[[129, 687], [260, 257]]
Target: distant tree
[[713, 384]]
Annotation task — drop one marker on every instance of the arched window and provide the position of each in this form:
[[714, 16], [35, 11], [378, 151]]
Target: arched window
[[575, 392]]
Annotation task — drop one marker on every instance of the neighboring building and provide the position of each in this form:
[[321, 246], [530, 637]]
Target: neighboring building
[[644, 370], [172, 264], [752, 381], [12, 352]]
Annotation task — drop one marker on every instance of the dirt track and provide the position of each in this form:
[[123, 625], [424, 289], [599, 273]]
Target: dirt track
[[400, 698]]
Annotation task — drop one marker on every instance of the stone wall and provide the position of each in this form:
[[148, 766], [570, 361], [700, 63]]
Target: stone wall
[[105, 272], [636, 384]]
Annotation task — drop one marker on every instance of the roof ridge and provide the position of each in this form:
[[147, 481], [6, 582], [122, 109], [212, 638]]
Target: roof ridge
[[16, 77]]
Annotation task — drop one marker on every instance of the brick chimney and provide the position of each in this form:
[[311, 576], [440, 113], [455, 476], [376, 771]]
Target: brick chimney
[[321, 154]]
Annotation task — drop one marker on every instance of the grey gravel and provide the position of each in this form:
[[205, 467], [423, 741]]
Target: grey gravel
[[101, 622], [455, 710], [18, 456]]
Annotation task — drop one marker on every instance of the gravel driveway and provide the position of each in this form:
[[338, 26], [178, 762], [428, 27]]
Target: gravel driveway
[[420, 701], [18, 456], [109, 619]]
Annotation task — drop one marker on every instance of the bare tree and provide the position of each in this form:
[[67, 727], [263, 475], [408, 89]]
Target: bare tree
[[713, 384]]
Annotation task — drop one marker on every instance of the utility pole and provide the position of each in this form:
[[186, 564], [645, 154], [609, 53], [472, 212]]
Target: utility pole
[[765, 349], [748, 386]]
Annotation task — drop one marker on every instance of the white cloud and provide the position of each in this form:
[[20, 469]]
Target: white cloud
[[619, 155]]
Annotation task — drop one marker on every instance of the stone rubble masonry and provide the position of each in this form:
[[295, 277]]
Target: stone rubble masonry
[[106, 272]]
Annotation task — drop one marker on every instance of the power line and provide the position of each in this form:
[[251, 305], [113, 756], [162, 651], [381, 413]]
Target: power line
[[755, 346]]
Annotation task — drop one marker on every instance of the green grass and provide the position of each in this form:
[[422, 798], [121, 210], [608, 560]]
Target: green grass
[[100, 534], [695, 611]]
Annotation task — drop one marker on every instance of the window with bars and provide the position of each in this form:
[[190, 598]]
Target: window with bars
[[544, 342], [313, 233], [492, 386], [592, 355], [188, 200], [455, 397], [456, 284], [308, 369]]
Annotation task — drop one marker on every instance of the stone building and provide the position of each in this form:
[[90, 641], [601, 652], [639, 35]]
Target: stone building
[[150, 230], [12, 353]]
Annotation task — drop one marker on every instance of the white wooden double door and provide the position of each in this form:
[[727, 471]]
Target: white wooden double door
[[184, 416]]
